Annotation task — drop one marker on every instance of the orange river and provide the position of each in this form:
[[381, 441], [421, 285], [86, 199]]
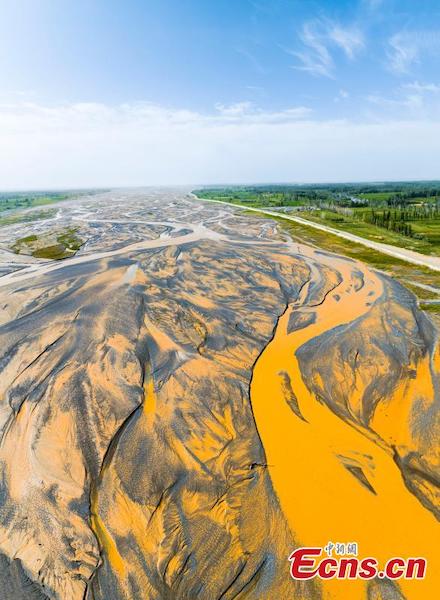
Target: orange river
[[321, 500]]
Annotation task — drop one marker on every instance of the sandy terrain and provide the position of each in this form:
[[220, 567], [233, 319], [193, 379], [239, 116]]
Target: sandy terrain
[[193, 395]]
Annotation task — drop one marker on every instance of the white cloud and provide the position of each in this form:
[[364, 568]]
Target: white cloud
[[90, 144], [27, 116], [315, 58], [351, 41], [319, 38], [418, 98], [342, 95], [407, 48], [403, 53], [422, 88], [414, 102], [234, 110], [246, 112]]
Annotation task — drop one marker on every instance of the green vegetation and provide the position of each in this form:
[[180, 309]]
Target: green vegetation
[[322, 195], [387, 227], [430, 307], [433, 309], [22, 200], [54, 245], [421, 293], [377, 197], [70, 240], [25, 217], [267, 196], [54, 252], [28, 238]]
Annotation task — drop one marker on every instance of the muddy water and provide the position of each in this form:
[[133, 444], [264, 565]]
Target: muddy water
[[308, 450]]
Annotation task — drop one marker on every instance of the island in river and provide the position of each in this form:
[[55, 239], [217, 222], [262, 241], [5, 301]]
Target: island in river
[[188, 394]]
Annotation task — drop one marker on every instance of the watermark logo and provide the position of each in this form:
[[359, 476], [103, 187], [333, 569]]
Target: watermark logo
[[341, 561]]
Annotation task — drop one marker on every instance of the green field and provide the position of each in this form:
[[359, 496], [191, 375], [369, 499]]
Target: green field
[[428, 230], [345, 194], [12, 202], [431, 230], [265, 196], [378, 197]]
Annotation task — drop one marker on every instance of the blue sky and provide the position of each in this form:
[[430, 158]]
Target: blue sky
[[226, 90]]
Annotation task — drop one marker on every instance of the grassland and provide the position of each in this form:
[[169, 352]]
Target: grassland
[[20, 201], [426, 240], [384, 197], [270, 196], [377, 196]]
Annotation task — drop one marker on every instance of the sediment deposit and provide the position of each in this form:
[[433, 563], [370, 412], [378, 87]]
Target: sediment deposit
[[193, 395]]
